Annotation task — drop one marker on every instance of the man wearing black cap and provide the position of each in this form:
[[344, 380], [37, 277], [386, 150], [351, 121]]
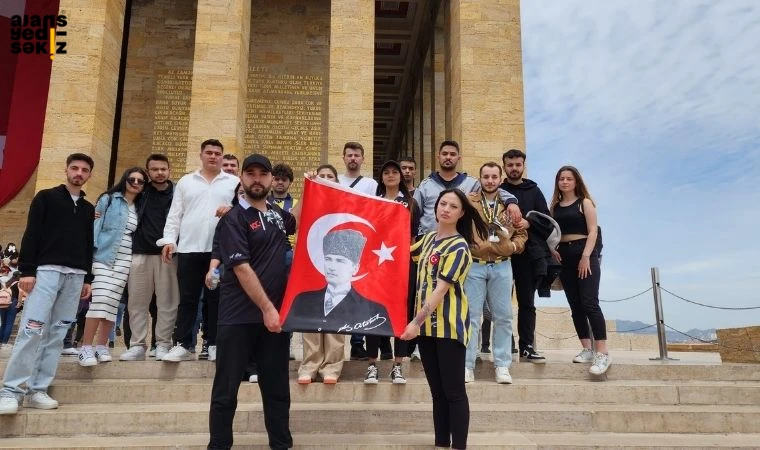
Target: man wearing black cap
[[252, 246], [338, 308]]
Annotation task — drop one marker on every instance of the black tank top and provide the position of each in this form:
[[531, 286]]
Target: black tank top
[[570, 218]]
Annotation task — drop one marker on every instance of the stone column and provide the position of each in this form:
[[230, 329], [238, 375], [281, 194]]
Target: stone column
[[423, 164], [82, 97], [439, 133], [220, 77], [417, 122], [485, 85], [352, 78]]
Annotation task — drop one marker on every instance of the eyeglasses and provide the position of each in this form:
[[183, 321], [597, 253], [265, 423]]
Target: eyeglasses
[[135, 180]]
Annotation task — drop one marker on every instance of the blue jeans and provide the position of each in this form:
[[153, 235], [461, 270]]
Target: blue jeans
[[48, 313], [7, 317], [492, 283]]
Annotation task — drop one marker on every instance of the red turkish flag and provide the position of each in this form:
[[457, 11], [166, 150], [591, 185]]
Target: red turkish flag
[[351, 264]]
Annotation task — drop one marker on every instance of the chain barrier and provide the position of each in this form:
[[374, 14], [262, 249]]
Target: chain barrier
[[716, 343], [747, 308], [627, 298], [609, 331], [553, 313]]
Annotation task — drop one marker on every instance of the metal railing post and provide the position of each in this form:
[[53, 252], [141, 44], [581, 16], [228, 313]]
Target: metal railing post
[[663, 344]]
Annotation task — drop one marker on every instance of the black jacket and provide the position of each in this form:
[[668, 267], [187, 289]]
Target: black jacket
[[308, 314], [58, 232], [529, 196], [152, 210]]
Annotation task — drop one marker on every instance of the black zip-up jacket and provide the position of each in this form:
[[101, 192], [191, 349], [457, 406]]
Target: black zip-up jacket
[[58, 232]]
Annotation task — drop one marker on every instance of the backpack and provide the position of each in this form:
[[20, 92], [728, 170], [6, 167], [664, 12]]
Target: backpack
[[5, 298]]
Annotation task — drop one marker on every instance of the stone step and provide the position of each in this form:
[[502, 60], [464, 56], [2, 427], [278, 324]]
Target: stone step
[[109, 391], [398, 441], [135, 419], [68, 369]]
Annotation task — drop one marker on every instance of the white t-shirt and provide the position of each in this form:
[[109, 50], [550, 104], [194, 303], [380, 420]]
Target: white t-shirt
[[366, 185]]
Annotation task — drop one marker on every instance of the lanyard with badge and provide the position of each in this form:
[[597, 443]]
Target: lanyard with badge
[[491, 214]]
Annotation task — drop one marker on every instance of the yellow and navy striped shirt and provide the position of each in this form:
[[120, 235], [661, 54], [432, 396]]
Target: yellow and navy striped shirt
[[447, 259]]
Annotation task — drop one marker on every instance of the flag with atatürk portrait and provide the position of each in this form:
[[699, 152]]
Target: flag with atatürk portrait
[[351, 264]]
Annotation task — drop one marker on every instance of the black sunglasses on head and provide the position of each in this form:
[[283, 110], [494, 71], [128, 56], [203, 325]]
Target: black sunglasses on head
[[135, 180]]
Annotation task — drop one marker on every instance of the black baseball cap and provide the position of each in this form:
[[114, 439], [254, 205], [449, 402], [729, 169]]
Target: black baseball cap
[[257, 159], [388, 163]]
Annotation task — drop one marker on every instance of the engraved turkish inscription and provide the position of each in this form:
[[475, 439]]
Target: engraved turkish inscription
[[171, 117], [284, 117]]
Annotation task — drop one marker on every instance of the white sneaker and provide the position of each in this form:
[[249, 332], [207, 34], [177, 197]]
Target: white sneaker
[[87, 357], [135, 353], [71, 351], [600, 365], [503, 376], [40, 400], [160, 352], [8, 405], [212, 352], [152, 352], [585, 356], [103, 355], [469, 375], [416, 355], [253, 378], [176, 354]]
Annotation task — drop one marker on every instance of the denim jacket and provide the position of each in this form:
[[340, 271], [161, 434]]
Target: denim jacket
[[109, 227]]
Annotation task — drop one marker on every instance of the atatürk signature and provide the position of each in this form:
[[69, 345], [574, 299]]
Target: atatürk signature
[[369, 324]]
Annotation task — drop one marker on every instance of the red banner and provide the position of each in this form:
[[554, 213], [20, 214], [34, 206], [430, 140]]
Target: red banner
[[24, 83], [351, 264]]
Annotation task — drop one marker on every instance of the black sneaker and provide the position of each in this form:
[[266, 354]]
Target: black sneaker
[[485, 350], [371, 376], [530, 355], [118, 331], [386, 356], [515, 351], [358, 353], [204, 352], [110, 344]]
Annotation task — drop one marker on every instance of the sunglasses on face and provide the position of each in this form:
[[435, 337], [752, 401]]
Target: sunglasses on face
[[135, 180]]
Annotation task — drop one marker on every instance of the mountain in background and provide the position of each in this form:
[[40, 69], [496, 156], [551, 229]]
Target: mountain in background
[[636, 327]]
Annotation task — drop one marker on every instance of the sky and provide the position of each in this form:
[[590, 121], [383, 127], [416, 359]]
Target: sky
[[657, 103]]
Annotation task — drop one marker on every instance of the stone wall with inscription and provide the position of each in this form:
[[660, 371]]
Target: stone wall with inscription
[[288, 83], [157, 85]]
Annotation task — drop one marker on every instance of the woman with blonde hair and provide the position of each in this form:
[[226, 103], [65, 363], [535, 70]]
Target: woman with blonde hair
[[579, 252]]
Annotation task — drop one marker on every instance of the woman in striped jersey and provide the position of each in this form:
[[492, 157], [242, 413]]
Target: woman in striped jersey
[[442, 319], [116, 220]]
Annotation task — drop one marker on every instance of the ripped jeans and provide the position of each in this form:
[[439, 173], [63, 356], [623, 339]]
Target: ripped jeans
[[48, 312]]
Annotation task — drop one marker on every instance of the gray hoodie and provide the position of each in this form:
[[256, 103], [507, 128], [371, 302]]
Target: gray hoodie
[[431, 187]]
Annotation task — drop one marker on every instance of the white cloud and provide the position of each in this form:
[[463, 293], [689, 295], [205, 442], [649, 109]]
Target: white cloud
[[657, 104]]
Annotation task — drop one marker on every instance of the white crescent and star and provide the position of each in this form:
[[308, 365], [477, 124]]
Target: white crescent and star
[[324, 224]]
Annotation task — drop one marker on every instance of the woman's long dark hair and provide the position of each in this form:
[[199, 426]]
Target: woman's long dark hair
[[381, 189], [471, 219], [121, 186]]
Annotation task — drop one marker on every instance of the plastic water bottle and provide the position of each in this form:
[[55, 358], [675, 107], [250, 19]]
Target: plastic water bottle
[[215, 279]]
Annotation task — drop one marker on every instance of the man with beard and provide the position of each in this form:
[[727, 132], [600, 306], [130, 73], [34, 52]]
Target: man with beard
[[408, 170], [189, 231], [447, 177], [148, 275], [56, 270], [530, 198], [490, 276], [252, 246], [353, 158]]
